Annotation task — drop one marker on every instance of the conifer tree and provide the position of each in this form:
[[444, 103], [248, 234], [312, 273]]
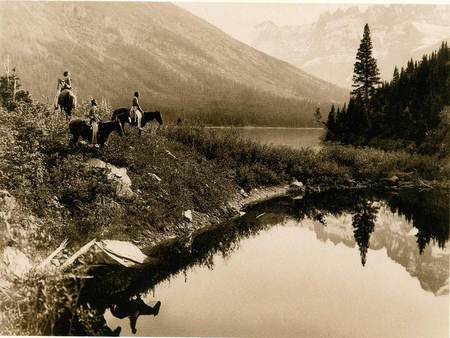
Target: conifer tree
[[331, 124], [395, 76], [366, 74]]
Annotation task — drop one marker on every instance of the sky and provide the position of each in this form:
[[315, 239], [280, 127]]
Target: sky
[[238, 19]]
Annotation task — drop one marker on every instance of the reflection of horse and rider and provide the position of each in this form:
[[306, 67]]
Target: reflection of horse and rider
[[94, 130], [69, 323], [133, 308]]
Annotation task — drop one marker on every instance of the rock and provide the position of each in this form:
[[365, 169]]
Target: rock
[[123, 252], [188, 215], [243, 193], [16, 261], [115, 174], [297, 186], [7, 205], [393, 180]]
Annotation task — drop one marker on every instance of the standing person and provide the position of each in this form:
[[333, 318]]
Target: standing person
[[136, 110], [94, 120]]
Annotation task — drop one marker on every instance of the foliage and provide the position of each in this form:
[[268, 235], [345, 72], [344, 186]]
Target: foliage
[[10, 93], [38, 301], [253, 165]]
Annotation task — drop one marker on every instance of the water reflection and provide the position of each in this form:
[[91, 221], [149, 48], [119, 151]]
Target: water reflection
[[132, 309], [411, 226]]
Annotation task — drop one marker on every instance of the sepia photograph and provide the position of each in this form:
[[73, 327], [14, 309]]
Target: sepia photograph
[[225, 168]]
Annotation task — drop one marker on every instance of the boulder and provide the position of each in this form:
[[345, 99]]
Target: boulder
[[122, 252], [188, 215], [392, 181], [115, 174], [297, 186], [7, 205], [16, 262], [243, 193]]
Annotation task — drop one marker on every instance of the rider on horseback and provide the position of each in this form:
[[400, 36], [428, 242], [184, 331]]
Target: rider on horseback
[[136, 111], [66, 82], [94, 120], [63, 84]]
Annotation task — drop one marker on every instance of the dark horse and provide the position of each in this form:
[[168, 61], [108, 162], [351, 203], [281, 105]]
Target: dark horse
[[123, 115], [79, 128], [67, 102]]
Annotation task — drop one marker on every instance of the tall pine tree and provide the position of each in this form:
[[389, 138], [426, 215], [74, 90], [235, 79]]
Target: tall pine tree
[[366, 74]]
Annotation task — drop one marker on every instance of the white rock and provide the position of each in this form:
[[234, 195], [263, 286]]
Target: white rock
[[125, 253], [243, 193], [188, 215], [16, 262], [115, 174]]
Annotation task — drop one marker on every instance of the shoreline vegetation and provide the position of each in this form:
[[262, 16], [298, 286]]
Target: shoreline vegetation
[[140, 189]]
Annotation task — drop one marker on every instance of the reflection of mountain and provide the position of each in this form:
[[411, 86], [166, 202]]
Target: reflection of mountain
[[394, 233], [327, 47], [399, 223]]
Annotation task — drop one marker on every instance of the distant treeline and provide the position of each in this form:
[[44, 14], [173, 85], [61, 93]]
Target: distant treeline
[[410, 110], [251, 109]]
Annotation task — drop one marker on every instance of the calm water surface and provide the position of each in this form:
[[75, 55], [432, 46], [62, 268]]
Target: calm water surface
[[326, 265], [292, 137]]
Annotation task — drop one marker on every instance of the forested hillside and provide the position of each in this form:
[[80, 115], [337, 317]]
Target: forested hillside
[[182, 65]]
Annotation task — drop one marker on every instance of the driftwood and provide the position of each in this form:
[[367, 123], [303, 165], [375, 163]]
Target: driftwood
[[52, 255], [170, 154], [77, 254], [425, 184]]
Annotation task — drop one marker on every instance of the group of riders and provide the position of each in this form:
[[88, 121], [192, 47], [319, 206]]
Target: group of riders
[[93, 117]]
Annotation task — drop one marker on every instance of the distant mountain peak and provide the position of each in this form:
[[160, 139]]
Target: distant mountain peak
[[327, 48]]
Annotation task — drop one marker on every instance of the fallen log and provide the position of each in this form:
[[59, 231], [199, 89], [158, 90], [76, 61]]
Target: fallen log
[[52, 255], [77, 254]]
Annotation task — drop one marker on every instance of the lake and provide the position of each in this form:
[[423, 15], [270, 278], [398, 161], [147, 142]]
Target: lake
[[291, 137], [335, 264]]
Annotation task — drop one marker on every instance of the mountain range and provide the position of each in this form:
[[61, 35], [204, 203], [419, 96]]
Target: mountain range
[[327, 47], [175, 59]]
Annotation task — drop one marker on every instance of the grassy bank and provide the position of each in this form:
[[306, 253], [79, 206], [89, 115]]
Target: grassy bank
[[255, 165], [51, 193]]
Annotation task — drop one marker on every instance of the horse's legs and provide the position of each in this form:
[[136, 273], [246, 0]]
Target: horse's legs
[[74, 139]]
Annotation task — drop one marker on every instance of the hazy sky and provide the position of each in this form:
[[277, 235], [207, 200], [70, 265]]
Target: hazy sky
[[238, 19]]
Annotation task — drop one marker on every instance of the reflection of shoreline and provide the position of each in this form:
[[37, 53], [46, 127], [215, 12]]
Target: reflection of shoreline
[[396, 234], [262, 128]]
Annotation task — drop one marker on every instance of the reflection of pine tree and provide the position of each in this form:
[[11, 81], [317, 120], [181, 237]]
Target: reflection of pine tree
[[363, 225]]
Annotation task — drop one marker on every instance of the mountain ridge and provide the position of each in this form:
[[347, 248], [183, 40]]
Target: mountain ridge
[[175, 58], [327, 47]]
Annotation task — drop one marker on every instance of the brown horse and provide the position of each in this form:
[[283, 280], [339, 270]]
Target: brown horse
[[67, 102], [79, 128], [123, 115]]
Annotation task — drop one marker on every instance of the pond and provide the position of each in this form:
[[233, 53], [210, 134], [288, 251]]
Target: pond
[[340, 264], [295, 138]]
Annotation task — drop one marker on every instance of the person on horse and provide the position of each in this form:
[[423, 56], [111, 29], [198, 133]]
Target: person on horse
[[66, 82], [94, 120], [136, 111], [63, 84]]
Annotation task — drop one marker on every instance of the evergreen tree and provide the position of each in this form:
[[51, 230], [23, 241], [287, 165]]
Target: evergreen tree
[[366, 74], [395, 76], [331, 124]]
